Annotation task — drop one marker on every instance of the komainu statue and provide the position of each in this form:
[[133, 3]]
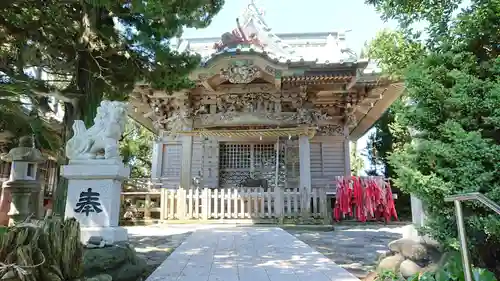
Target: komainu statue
[[101, 140]]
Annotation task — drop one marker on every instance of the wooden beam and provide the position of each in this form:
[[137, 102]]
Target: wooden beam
[[246, 88], [207, 86]]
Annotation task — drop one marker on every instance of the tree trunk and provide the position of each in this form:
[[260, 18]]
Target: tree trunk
[[91, 95]]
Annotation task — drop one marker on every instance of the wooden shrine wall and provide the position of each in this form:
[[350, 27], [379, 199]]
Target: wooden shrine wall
[[329, 159]]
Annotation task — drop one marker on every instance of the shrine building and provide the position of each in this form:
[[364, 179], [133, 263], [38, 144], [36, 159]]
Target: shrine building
[[268, 110]]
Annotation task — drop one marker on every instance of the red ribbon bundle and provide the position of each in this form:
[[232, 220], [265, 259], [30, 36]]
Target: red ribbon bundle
[[367, 197]]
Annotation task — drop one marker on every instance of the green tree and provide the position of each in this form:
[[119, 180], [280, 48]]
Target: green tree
[[454, 114], [136, 149], [94, 49], [393, 53], [357, 163]]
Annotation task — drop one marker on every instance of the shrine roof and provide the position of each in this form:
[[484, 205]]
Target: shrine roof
[[252, 35]]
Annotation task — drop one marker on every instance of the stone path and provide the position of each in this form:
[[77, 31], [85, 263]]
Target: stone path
[[247, 254], [155, 243], [355, 248]]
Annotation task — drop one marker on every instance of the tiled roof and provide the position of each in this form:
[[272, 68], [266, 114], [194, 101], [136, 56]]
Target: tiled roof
[[253, 35]]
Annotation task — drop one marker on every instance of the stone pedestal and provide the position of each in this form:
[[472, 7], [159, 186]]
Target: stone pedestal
[[20, 191], [94, 188]]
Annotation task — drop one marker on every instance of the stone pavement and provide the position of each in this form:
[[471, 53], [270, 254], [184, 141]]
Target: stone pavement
[[247, 254], [353, 247]]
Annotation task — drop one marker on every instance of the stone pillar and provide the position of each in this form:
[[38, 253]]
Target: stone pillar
[[94, 189], [157, 160], [187, 157], [22, 181], [305, 171], [417, 211], [418, 219]]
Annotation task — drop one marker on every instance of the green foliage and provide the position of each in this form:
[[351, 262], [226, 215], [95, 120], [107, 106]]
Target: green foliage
[[452, 270], [454, 114], [357, 163], [136, 149], [394, 52], [95, 49]]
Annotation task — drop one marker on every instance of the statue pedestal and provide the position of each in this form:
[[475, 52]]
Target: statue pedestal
[[94, 191]]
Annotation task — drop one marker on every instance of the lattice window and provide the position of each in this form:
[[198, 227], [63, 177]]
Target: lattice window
[[264, 156], [240, 161], [234, 156]]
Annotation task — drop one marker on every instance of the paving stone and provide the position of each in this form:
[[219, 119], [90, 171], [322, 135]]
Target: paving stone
[[249, 254]]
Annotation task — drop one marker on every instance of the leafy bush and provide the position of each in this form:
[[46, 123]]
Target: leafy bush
[[451, 271]]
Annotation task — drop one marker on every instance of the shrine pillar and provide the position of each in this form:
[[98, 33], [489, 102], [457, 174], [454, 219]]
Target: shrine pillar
[[186, 159], [305, 171], [347, 152], [157, 159]]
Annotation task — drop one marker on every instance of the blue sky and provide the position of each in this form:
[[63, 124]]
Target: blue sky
[[311, 16]]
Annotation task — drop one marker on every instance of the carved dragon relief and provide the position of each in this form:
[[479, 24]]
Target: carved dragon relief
[[241, 73]]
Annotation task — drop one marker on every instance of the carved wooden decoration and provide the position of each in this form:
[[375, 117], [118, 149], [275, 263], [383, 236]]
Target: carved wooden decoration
[[241, 73]]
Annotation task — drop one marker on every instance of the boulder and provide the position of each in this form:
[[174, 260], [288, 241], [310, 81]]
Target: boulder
[[409, 249], [391, 263], [119, 262], [102, 259], [100, 277], [383, 255], [409, 268]]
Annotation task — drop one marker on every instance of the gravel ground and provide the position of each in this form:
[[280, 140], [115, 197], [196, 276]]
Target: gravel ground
[[355, 248]]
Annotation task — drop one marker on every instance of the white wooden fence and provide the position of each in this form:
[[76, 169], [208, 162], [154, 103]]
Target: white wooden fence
[[241, 203]]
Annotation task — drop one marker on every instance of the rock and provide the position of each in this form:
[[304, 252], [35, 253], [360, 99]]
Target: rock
[[409, 268], [383, 255], [93, 246], [120, 262], [429, 241], [102, 259], [390, 263], [409, 249], [95, 240], [372, 276], [100, 277], [130, 272]]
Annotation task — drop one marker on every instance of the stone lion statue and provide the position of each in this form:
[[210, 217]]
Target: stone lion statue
[[101, 140]]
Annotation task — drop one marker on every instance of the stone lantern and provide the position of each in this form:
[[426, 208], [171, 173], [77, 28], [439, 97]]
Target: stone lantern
[[23, 177]]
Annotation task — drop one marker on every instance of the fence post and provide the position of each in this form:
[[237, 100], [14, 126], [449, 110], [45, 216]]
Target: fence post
[[181, 203], [163, 204], [147, 206], [205, 203], [305, 202], [323, 206], [279, 203]]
